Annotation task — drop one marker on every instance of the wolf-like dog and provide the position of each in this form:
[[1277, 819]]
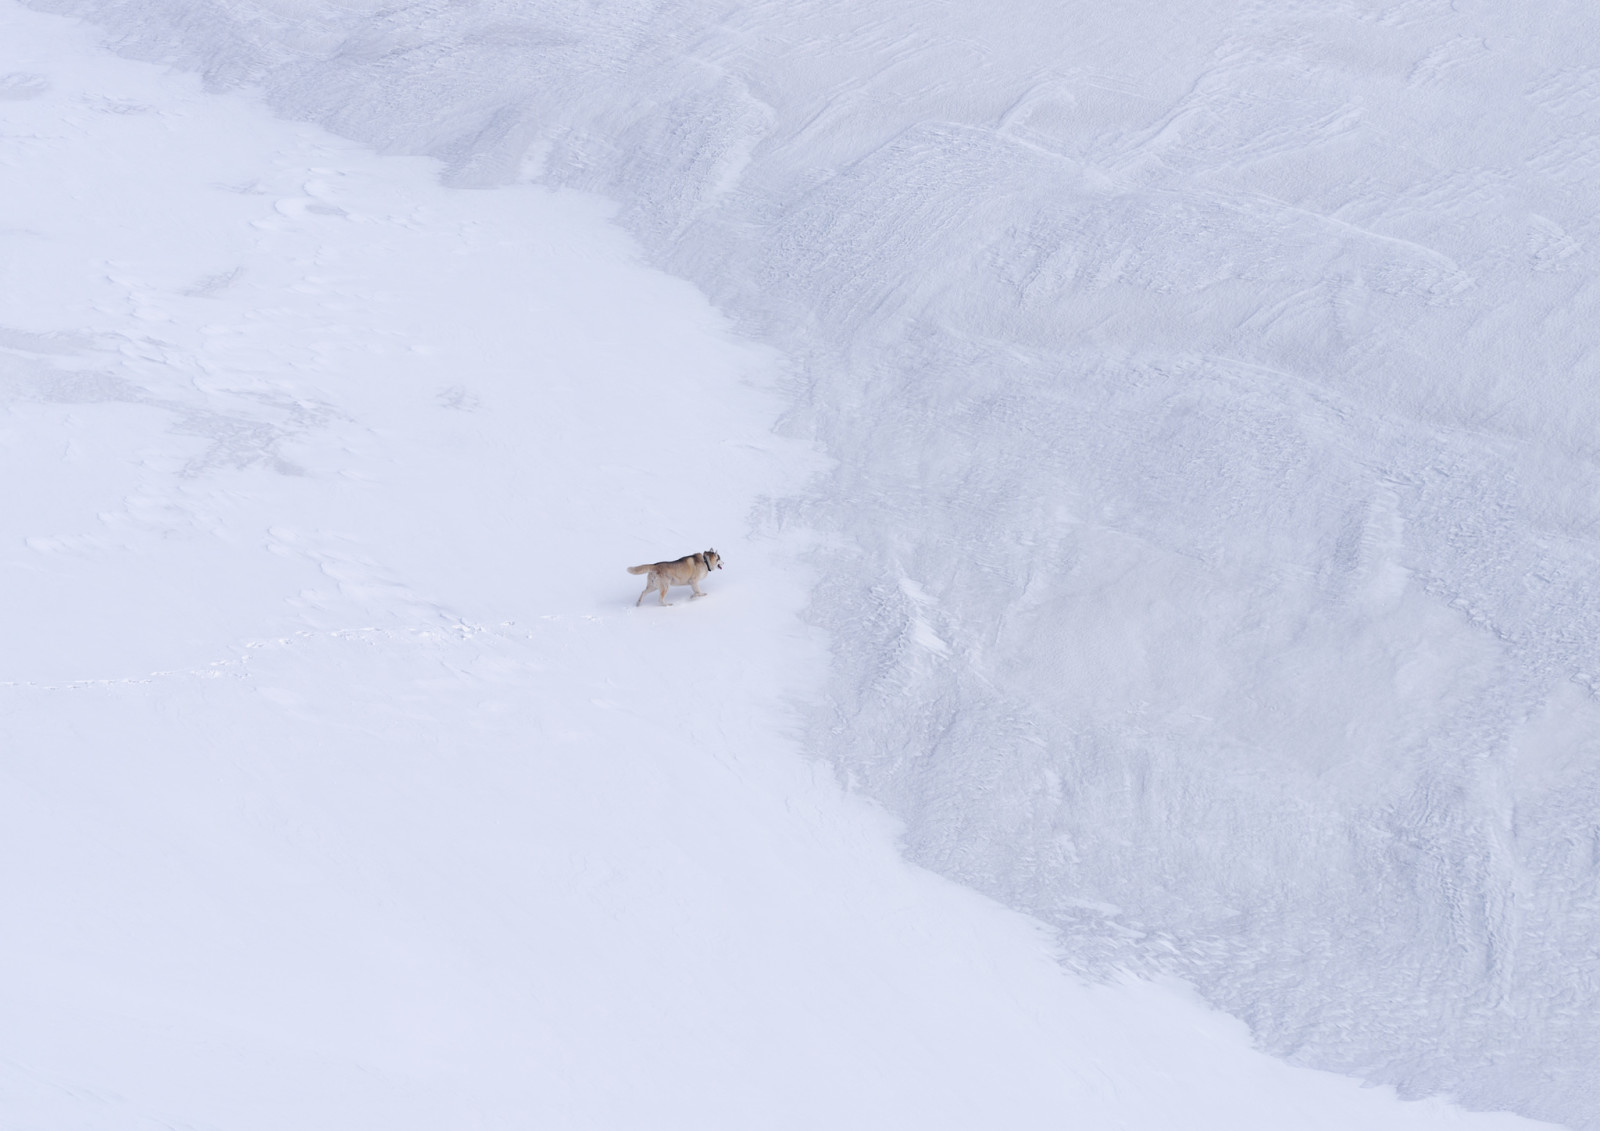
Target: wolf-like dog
[[687, 570]]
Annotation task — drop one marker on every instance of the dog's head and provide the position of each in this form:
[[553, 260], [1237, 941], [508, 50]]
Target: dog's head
[[713, 560]]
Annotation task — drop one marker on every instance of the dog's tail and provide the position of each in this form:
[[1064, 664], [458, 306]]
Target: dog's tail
[[640, 569]]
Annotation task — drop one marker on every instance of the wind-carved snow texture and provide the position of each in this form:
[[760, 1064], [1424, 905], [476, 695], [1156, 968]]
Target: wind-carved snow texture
[[1212, 390]]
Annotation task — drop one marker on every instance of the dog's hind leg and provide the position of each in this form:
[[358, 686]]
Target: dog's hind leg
[[663, 597], [649, 585]]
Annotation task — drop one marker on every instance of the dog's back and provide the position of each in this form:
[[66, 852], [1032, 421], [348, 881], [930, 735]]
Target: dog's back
[[663, 567]]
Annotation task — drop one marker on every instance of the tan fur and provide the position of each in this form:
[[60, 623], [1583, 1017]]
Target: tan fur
[[687, 570]]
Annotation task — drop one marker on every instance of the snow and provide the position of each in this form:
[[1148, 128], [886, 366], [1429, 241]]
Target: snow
[[1180, 522]]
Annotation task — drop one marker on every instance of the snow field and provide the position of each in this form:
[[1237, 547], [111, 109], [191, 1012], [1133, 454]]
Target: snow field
[[342, 783]]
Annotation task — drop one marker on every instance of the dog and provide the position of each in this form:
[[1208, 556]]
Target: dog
[[687, 570]]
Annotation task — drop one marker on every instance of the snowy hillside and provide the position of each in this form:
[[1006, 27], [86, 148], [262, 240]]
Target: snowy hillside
[[1204, 549]]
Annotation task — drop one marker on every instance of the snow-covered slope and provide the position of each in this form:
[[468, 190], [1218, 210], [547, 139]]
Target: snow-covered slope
[[341, 785], [1209, 540]]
